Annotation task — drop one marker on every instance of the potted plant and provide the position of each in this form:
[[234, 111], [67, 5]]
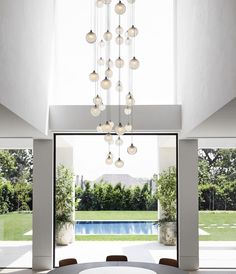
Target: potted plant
[[64, 206], [166, 195]]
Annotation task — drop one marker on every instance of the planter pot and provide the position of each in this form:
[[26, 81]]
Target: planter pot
[[66, 234], [167, 233]]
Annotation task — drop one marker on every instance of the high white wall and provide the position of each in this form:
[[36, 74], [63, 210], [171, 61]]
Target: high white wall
[[206, 60], [26, 31]]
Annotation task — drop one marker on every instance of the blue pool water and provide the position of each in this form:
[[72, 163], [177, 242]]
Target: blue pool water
[[115, 227]]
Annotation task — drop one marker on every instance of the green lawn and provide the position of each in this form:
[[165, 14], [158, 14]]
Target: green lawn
[[14, 225], [220, 225]]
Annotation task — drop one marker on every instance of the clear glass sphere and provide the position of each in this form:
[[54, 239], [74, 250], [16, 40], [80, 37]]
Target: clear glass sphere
[[119, 141], [108, 73], [131, 149], [93, 76], [107, 36], [107, 2], [128, 41], [119, 62], [106, 83], [111, 124], [99, 3], [128, 127], [119, 30], [119, 86], [120, 8], [131, 1], [101, 61], [108, 138], [106, 127], [133, 31], [127, 110], [130, 101], [97, 100], [119, 40], [109, 63], [101, 43], [119, 163], [134, 63], [109, 160], [91, 37], [102, 107], [120, 130], [99, 128], [95, 111]]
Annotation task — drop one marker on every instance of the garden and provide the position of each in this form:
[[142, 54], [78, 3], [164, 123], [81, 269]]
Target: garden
[[104, 201]]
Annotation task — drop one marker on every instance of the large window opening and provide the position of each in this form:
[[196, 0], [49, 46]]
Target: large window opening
[[102, 210], [16, 167], [217, 207]]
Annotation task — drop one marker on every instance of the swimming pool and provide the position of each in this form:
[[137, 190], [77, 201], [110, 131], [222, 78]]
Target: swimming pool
[[115, 227]]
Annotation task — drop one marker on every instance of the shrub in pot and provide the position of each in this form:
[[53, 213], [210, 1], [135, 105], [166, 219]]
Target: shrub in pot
[[64, 206], [166, 195]]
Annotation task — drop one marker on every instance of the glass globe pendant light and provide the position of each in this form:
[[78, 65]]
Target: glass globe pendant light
[[133, 31], [119, 62], [120, 8], [100, 62], [130, 100], [108, 138], [132, 149], [120, 130], [95, 111], [107, 36], [107, 127], [109, 160], [119, 141], [102, 107], [119, 86], [119, 40], [99, 3], [108, 73], [102, 44], [97, 100], [106, 83], [127, 110], [134, 63], [128, 127], [109, 63], [119, 30], [119, 163], [91, 37], [93, 76]]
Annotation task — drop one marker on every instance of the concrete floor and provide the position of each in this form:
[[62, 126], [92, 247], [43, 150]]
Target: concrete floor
[[212, 254]]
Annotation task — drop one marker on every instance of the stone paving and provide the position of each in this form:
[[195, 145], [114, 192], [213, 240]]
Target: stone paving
[[212, 254]]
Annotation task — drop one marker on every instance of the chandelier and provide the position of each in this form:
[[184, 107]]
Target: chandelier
[[108, 75]]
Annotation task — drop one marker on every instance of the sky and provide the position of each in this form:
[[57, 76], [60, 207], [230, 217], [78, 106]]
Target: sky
[[153, 81]]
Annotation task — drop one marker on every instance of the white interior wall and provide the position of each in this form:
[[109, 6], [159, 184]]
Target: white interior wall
[[26, 31], [206, 63]]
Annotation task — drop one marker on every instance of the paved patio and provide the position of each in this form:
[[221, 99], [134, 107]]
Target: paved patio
[[212, 254]]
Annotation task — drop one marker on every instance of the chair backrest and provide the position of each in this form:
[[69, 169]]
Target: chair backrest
[[67, 261], [113, 258], [167, 261]]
